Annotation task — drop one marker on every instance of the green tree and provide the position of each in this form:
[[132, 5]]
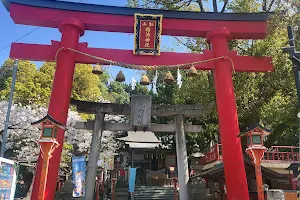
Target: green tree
[[86, 86], [25, 90], [33, 86], [266, 98], [117, 92]]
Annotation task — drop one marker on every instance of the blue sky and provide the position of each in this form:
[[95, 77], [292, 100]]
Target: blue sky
[[10, 32]]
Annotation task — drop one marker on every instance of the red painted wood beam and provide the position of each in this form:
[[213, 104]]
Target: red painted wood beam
[[38, 52], [49, 17], [252, 64]]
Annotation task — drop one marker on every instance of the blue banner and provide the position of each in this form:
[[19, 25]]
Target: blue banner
[[132, 176], [78, 168]]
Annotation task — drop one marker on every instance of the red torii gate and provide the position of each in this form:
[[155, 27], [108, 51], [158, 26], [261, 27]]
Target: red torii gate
[[73, 19]]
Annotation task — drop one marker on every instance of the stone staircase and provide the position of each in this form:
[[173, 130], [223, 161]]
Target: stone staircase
[[153, 193]]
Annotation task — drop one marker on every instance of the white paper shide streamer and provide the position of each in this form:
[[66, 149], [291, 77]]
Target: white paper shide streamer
[[133, 83], [154, 83], [179, 78]]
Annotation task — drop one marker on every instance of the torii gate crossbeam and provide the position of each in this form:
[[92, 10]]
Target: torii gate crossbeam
[[73, 19]]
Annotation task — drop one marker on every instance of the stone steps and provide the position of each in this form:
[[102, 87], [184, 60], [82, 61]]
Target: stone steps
[[153, 193]]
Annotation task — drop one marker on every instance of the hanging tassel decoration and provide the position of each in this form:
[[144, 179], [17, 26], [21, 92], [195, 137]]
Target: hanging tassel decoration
[[97, 70], [179, 78], [169, 78], [144, 80], [133, 83], [154, 83], [120, 77], [192, 72]]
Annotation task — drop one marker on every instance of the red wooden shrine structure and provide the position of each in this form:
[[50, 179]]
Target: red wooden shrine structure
[[72, 19]]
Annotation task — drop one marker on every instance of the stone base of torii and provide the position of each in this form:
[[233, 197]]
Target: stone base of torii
[[98, 125]]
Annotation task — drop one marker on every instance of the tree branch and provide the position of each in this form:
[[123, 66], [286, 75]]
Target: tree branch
[[271, 4], [224, 6], [189, 2], [252, 47], [200, 5], [10, 127], [215, 5], [264, 5], [181, 42]]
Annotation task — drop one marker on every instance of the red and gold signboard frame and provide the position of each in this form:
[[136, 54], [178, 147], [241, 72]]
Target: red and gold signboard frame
[[147, 34]]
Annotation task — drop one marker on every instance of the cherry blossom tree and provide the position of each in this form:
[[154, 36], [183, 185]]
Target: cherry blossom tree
[[22, 136]]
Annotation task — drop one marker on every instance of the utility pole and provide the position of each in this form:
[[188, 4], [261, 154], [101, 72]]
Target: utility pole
[[295, 58], [4, 138]]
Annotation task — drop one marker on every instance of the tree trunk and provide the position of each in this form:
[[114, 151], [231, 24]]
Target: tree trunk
[[28, 195], [201, 5]]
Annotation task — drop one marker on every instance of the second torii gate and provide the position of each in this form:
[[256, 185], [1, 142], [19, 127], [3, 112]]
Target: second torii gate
[[179, 128], [73, 19]]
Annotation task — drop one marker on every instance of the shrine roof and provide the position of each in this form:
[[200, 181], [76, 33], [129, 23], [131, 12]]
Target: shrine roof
[[217, 171], [265, 131], [103, 9], [141, 137], [134, 145], [293, 166], [51, 119]]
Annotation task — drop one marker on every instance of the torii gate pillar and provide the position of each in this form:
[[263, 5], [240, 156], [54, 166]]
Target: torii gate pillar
[[71, 30], [235, 177]]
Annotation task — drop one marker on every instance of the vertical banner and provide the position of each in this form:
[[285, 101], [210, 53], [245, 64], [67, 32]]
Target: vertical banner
[[132, 176], [147, 34], [7, 179], [78, 168]]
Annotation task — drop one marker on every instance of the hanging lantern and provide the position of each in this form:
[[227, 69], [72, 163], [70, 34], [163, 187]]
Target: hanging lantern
[[192, 72], [97, 69], [169, 77], [120, 77], [145, 80]]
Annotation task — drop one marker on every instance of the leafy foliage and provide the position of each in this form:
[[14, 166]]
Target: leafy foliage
[[118, 92], [33, 86], [266, 98]]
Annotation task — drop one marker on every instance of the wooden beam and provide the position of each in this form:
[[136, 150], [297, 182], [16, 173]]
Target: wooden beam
[[164, 128], [38, 52], [156, 110], [41, 52], [241, 26]]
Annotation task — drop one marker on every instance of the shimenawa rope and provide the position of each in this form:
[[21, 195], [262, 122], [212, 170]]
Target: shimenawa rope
[[143, 67]]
